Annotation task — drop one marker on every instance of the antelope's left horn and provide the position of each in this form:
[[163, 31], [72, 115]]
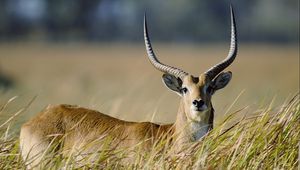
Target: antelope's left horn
[[215, 70]]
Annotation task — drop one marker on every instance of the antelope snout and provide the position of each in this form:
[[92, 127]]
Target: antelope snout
[[199, 105]]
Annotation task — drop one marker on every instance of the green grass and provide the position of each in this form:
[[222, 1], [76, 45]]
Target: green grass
[[265, 139]]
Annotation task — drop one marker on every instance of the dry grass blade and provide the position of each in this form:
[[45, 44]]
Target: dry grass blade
[[269, 140]]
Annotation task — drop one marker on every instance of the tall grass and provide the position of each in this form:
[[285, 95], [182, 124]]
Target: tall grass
[[266, 139]]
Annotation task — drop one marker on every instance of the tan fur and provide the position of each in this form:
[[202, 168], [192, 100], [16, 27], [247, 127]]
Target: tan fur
[[76, 127], [79, 127], [187, 125]]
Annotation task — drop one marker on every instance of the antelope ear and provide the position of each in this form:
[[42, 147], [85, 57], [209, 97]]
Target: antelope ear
[[221, 81], [172, 83]]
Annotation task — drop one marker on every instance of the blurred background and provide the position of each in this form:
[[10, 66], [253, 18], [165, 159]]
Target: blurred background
[[120, 20], [91, 53]]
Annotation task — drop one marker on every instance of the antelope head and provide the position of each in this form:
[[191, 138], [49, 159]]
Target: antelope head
[[196, 91]]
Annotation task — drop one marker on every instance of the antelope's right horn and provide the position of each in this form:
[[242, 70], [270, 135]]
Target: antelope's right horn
[[155, 62]]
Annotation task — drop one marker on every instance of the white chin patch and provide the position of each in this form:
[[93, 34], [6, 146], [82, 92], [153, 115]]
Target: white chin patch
[[196, 114]]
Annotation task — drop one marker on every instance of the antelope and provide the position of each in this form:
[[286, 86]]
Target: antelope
[[80, 126]]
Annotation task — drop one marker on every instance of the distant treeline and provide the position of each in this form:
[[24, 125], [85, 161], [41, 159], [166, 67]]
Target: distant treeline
[[169, 20]]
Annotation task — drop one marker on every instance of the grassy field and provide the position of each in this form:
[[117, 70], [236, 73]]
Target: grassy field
[[117, 79]]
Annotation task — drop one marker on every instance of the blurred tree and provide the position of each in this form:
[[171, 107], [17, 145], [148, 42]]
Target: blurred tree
[[5, 81], [177, 20]]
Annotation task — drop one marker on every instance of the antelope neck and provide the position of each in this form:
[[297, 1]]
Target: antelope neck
[[188, 130]]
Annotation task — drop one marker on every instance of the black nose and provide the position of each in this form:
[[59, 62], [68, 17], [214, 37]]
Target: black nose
[[198, 104]]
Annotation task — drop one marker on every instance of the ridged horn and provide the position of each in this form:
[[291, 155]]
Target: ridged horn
[[215, 70], [155, 62]]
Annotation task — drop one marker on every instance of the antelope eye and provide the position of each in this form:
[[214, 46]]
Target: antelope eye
[[209, 89], [184, 90]]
